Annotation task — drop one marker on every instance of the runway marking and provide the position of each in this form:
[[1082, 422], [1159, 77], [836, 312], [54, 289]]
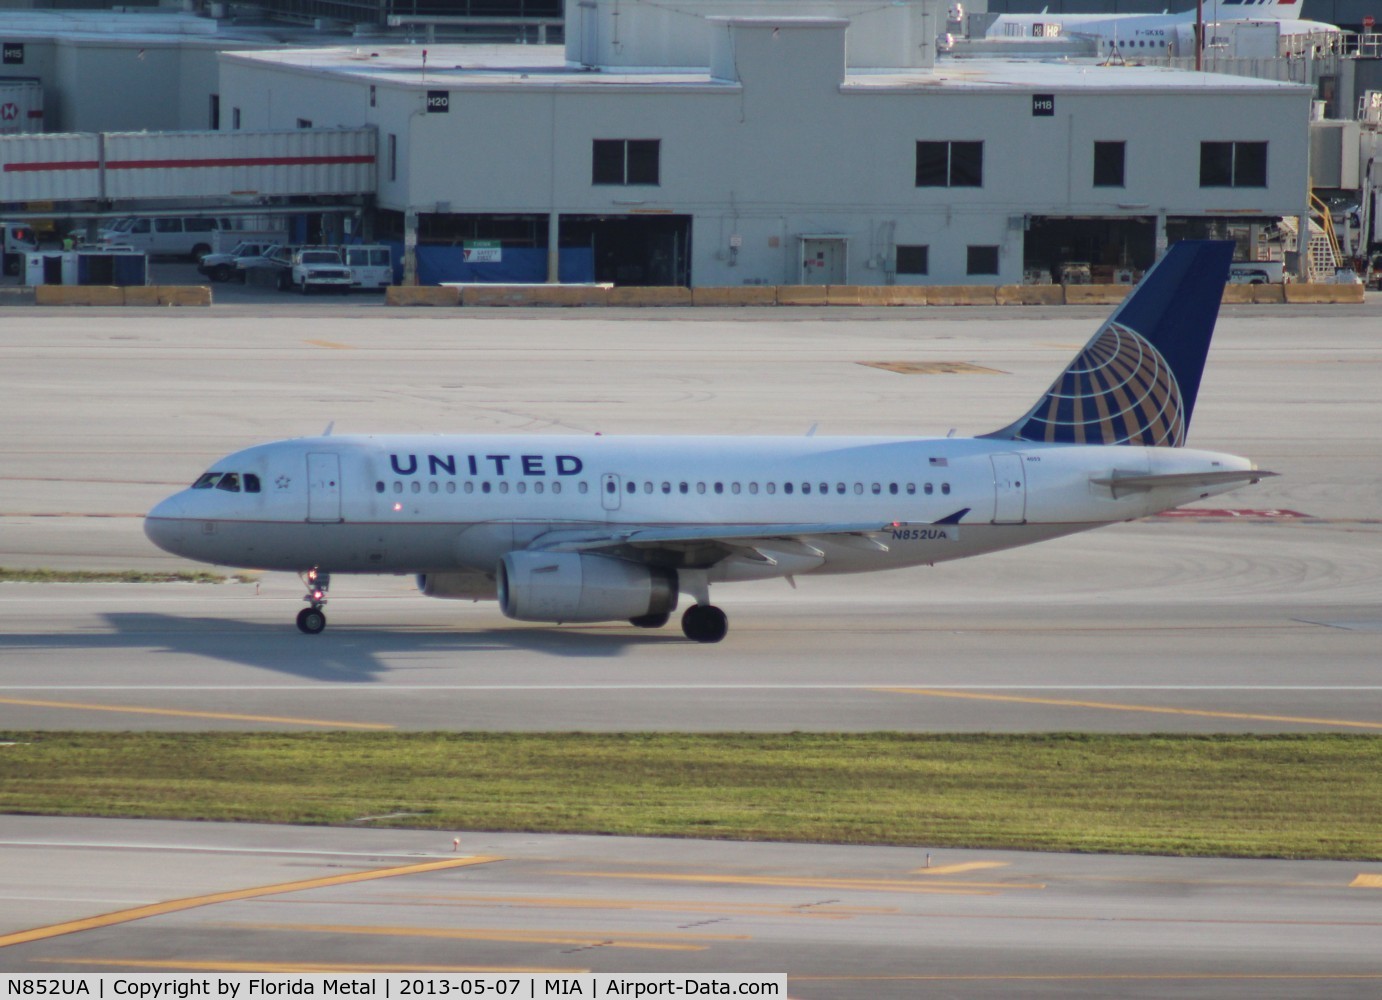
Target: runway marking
[[191, 902], [1366, 881], [871, 686], [1116, 707], [193, 965], [645, 941], [956, 869], [192, 714], [806, 882], [823, 912]]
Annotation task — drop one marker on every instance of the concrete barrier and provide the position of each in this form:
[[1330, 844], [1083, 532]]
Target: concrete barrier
[[659, 295], [803, 295], [747, 295], [421, 295], [1095, 295], [962, 295], [1031, 295], [1273, 294], [907, 295], [1337, 294], [79, 295], [181, 295], [534, 295], [142, 295]]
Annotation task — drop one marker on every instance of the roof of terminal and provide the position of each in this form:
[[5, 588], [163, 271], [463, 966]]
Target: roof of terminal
[[479, 66]]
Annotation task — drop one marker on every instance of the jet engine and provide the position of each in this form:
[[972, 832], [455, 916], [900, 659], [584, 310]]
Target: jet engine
[[571, 587]]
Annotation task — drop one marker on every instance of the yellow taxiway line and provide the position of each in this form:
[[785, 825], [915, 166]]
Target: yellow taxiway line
[[1116, 707], [868, 884], [1367, 880], [210, 965], [646, 941], [176, 905], [192, 713]]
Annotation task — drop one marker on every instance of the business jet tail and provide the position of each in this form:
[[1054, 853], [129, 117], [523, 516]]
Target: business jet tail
[[1136, 381]]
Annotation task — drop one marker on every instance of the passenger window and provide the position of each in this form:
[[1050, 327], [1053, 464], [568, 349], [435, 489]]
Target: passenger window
[[684, 488], [167, 225], [930, 489], [398, 487], [787, 488], [610, 487], [451, 487], [666, 487], [859, 489], [556, 487], [537, 486], [700, 487], [417, 486], [719, 487], [230, 482], [140, 226], [469, 486], [840, 488], [734, 488], [581, 487], [632, 487], [379, 486], [945, 488], [753, 488], [771, 488], [825, 488], [877, 489], [503, 486], [892, 488], [432, 486], [485, 487], [911, 489], [806, 487], [522, 487], [647, 487], [206, 480]]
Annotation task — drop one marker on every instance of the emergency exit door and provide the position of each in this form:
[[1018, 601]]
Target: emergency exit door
[[1009, 489], [323, 487]]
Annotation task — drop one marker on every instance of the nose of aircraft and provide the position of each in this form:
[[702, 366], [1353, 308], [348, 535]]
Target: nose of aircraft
[[164, 524]]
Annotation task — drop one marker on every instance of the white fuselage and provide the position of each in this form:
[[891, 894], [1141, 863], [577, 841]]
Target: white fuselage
[[439, 504]]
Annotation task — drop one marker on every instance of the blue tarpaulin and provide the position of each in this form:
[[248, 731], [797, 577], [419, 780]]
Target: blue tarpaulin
[[523, 266]]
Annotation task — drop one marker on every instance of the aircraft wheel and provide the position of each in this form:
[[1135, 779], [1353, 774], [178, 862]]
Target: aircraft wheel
[[311, 621], [650, 621], [704, 623]]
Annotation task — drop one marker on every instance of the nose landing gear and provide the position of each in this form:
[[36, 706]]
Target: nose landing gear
[[311, 619]]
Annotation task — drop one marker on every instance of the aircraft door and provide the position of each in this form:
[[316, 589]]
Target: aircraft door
[[323, 487], [1009, 489], [609, 491]]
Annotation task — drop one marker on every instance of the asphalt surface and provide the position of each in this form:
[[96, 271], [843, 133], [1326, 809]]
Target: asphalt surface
[[1257, 615], [840, 922]]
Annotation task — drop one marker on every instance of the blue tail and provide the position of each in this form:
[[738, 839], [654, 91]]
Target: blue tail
[[1136, 381]]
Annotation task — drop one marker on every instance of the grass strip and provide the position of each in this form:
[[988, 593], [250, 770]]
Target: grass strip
[[9, 574], [1296, 796]]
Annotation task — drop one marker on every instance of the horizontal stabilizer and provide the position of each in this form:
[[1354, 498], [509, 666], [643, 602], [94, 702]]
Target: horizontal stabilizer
[[1123, 484]]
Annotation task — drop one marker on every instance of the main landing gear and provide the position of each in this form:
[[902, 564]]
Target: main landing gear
[[311, 619], [704, 623]]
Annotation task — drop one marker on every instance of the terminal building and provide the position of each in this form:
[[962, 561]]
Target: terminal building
[[725, 142], [724, 149]]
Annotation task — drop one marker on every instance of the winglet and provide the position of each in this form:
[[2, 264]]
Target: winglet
[[1136, 381]]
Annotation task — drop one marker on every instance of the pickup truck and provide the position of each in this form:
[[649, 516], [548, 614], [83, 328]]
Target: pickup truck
[[222, 266], [320, 267]]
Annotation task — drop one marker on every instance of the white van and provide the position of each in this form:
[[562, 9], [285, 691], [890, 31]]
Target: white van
[[371, 265], [170, 236]]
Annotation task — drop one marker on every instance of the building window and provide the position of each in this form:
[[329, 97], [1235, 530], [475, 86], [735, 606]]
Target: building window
[[304, 123], [393, 157], [982, 260], [625, 161], [913, 260], [215, 112], [234, 117], [371, 95], [950, 164], [1108, 164], [1233, 164]]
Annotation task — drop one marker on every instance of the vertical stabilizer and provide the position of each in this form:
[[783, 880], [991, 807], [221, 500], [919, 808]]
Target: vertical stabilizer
[[1136, 381]]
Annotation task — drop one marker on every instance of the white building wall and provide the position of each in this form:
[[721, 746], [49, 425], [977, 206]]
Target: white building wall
[[789, 148]]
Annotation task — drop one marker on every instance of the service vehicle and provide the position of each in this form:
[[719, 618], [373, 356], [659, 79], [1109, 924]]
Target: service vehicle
[[320, 267], [371, 265], [16, 239], [165, 236], [221, 266], [276, 260]]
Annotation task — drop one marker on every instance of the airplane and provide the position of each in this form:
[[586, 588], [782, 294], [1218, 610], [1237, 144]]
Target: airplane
[[1159, 34], [567, 528]]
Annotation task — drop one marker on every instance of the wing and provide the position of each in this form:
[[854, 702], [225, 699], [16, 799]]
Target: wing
[[702, 546]]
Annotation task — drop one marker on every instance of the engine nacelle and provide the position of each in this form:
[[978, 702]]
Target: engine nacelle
[[457, 586], [571, 587]]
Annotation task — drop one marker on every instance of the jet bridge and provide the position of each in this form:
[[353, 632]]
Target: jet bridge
[[144, 166]]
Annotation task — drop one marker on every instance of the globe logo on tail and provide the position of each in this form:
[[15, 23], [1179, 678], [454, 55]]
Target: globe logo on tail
[[1118, 390]]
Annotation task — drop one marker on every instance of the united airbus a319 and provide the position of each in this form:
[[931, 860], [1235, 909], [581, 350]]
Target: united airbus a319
[[563, 528]]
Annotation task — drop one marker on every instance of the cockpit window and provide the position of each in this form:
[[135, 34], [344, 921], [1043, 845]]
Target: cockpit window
[[206, 480], [230, 482], [251, 483]]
